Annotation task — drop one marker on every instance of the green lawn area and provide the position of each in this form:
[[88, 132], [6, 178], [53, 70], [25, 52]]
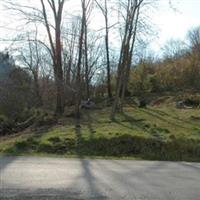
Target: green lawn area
[[155, 133]]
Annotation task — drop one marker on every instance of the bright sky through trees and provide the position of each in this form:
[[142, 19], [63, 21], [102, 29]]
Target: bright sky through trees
[[170, 20]]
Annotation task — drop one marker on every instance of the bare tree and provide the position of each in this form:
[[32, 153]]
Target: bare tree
[[132, 9], [174, 49], [83, 53], [194, 38], [32, 60], [95, 51], [80, 55], [43, 16], [104, 10], [70, 50], [87, 12], [56, 48]]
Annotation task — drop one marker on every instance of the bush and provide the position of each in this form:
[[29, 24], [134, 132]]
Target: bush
[[57, 145], [190, 100], [146, 148], [21, 146], [15, 94], [44, 118], [45, 147], [6, 125], [3, 119]]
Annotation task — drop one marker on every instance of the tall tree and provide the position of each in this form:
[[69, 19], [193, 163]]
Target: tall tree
[[70, 50], [43, 15], [194, 38], [86, 6], [31, 58], [56, 48], [87, 11], [104, 10], [80, 56], [132, 11]]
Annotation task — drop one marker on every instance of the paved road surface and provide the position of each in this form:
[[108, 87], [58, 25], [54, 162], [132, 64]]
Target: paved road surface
[[73, 179]]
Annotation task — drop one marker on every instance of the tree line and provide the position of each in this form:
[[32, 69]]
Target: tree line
[[76, 55], [60, 60]]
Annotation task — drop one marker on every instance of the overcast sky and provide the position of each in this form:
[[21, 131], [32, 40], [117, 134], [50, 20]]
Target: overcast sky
[[170, 23]]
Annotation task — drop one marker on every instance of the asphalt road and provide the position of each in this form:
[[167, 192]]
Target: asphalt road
[[73, 179]]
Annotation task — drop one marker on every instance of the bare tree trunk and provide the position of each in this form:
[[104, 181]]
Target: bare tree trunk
[[126, 53], [33, 61], [108, 59], [59, 70], [37, 89], [107, 52], [104, 10], [56, 50], [127, 73], [59, 93], [118, 90], [68, 72], [78, 76], [86, 62]]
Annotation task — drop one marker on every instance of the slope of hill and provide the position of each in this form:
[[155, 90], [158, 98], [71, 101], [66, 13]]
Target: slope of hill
[[156, 132]]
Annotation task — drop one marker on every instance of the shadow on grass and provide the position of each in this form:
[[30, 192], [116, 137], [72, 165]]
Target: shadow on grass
[[189, 122], [134, 123], [141, 125], [159, 116], [79, 138], [154, 148], [151, 148], [87, 174], [89, 125]]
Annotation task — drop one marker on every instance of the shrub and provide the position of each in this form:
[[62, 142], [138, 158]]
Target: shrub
[[44, 118], [45, 147], [21, 146], [146, 148], [190, 100], [57, 145], [6, 125]]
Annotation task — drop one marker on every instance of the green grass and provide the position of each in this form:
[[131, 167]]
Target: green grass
[[154, 133]]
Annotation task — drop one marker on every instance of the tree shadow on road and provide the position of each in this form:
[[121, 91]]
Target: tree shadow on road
[[5, 161], [87, 174], [91, 180], [90, 126]]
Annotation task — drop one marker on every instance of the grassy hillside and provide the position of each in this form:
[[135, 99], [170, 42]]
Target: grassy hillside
[[159, 132]]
